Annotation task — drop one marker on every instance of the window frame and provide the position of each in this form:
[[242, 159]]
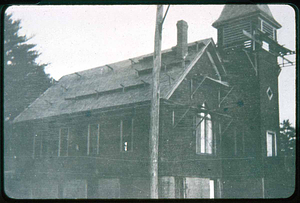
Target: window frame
[[37, 145], [273, 147], [122, 135], [173, 117], [60, 141], [89, 139], [202, 120]]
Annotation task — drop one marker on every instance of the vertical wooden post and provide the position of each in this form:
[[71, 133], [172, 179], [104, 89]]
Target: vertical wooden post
[[121, 136], [154, 120], [88, 139], [263, 187]]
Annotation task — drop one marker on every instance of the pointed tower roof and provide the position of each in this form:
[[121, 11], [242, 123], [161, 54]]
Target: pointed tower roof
[[236, 11]]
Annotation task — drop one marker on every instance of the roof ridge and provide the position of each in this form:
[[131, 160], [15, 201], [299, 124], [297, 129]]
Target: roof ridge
[[73, 93], [138, 57], [232, 12]]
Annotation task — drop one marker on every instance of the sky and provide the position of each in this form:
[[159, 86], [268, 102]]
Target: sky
[[74, 38]]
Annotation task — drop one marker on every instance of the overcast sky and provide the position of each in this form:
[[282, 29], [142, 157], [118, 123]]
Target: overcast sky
[[74, 38]]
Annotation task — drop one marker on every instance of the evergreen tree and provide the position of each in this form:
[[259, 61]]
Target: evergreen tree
[[24, 79], [287, 139]]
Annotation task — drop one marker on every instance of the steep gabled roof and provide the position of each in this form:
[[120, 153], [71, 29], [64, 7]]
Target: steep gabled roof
[[121, 83], [237, 11]]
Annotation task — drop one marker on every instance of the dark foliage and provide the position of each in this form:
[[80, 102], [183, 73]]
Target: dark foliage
[[287, 139], [24, 79]]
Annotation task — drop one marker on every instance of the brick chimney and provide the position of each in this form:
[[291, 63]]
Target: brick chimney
[[182, 39]]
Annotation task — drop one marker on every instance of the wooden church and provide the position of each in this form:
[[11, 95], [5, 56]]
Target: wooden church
[[87, 136]]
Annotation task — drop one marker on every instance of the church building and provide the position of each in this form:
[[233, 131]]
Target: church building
[[87, 136]]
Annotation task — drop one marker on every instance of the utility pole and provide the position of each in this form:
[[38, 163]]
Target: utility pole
[[154, 114]]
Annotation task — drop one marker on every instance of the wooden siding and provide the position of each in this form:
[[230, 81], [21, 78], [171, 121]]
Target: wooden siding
[[234, 32], [178, 139]]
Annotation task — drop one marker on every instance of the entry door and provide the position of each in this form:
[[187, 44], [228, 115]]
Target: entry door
[[198, 188]]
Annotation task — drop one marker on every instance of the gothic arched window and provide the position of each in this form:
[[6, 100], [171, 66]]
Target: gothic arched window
[[204, 133]]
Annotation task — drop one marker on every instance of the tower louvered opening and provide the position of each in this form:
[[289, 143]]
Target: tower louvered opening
[[234, 32], [269, 29]]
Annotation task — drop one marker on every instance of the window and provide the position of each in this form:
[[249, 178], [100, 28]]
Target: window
[[63, 142], [269, 93], [77, 140], [239, 137], [204, 134], [110, 136], [198, 188], [93, 139], [37, 145], [271, 144], [126, 132], [173, 118]]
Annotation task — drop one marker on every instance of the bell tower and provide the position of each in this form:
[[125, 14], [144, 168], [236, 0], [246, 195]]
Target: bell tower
[[239, 24], [247, 43]]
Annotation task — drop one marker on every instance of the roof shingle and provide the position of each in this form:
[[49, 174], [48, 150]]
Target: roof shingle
[[102, 87], [233, 11]]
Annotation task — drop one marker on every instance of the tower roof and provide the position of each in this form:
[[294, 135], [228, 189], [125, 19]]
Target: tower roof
[[237, 11]]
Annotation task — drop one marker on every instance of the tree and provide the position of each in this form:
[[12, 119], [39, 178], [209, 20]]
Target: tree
[[287, 139], [24, 78]]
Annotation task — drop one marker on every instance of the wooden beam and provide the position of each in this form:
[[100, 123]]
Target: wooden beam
[[182, 117], [78, 74], [48, 102], [110, 67], [137, 71], [145, 83], [123, 87], [169, 78], [198, 86], [97, 93], [165, 15], [226, 96], [290, 62], [250, 36], [64, 87], [165, 66], [227, 126], [254, 65], [154, 113], [186, 71], [191, 88], [200, 121], [88, 139], [132, 63], [213, 64]]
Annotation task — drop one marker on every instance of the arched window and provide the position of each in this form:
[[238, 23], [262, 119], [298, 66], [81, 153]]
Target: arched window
[[204, 133]]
